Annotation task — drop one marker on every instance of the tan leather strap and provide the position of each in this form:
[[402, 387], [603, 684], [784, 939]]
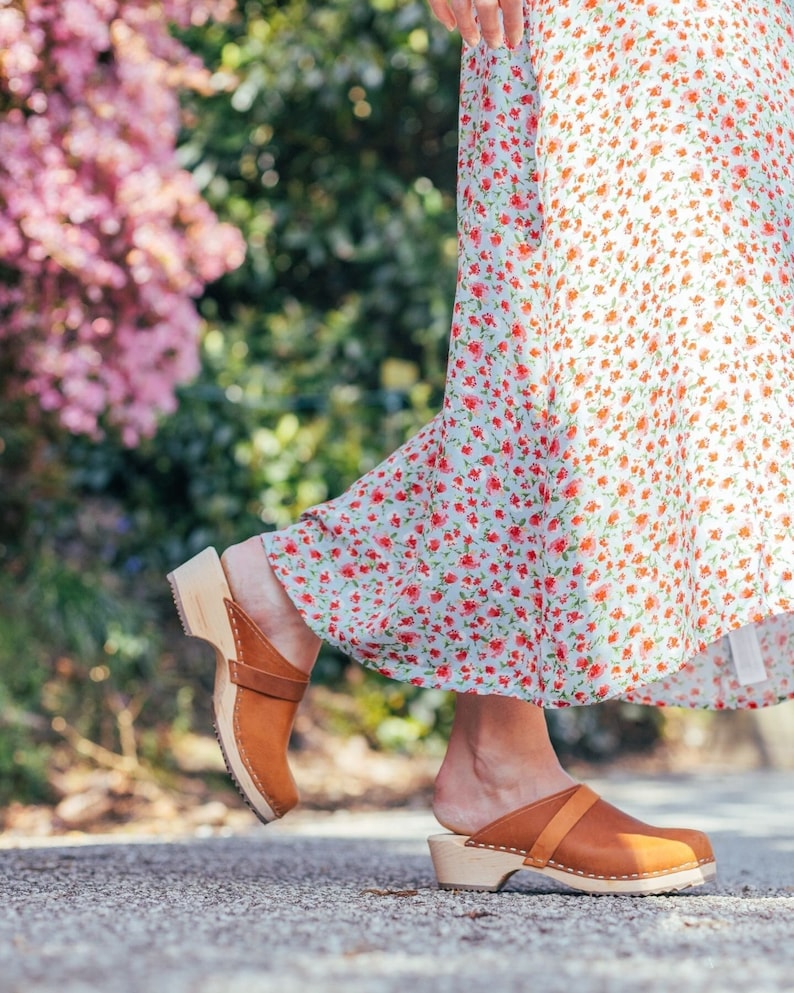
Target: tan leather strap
[[280, 687], [259, 666], [571, 813]]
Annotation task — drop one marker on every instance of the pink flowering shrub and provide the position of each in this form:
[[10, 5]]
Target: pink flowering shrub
[[104, 239]]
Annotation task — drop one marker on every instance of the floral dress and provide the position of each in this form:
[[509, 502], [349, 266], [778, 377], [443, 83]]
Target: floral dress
[[603, 507]]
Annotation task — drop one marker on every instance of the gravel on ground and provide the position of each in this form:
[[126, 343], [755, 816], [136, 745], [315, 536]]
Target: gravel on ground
[[347, 903]]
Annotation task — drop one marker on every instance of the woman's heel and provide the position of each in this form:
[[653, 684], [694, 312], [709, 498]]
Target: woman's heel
[[461, 868], [200, 592]]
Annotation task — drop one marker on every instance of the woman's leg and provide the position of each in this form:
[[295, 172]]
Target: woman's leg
[[501, 791], [499, 756], [256, 589]]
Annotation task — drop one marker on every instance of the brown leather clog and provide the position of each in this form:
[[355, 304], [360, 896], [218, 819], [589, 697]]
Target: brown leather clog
[[257, 691], [575, 838]]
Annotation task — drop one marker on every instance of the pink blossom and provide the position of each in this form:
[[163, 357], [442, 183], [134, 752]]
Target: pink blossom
[[104, 238]]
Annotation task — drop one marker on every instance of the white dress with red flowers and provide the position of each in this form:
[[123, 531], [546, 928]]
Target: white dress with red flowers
[[603, 508]]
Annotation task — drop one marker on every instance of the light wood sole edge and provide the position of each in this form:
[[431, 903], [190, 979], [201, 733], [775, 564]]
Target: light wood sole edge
[[199, 587], [486, 870]]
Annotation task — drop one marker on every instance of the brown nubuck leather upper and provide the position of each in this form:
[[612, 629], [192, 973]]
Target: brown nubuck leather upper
[[576, 831], [269, 691]]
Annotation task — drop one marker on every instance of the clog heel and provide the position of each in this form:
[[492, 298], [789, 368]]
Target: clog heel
[[200, 591], [461, 868]]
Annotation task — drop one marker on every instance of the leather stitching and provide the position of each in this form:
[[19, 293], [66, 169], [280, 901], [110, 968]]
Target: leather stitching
[[274, 805], [539, 863]]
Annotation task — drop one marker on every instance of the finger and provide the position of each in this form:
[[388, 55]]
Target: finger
[[513, 20], [463, 12], [490, 18], [442, 13]]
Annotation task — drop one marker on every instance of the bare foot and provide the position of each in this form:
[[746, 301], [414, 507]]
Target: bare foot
[[499, 758], [256, 589], [465, 801]]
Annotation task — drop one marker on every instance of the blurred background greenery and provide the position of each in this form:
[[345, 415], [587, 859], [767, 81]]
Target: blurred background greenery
[[331, 144]]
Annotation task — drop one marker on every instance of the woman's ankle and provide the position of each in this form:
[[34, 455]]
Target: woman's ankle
[[499, 758], [256, 589], [465, 801]]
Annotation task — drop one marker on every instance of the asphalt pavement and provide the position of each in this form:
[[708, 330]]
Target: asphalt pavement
[[347, 903]]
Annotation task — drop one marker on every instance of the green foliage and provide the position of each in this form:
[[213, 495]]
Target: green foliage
[[331, 144], [335, 154], [23, 753], [400, 717], [330, 141], [78, 657], [23, 764]]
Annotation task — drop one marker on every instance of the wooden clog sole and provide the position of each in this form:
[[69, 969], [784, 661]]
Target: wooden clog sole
[[200, 589], [460, 868]]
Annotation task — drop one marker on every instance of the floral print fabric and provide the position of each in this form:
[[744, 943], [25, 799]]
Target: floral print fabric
[[606, 493]]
